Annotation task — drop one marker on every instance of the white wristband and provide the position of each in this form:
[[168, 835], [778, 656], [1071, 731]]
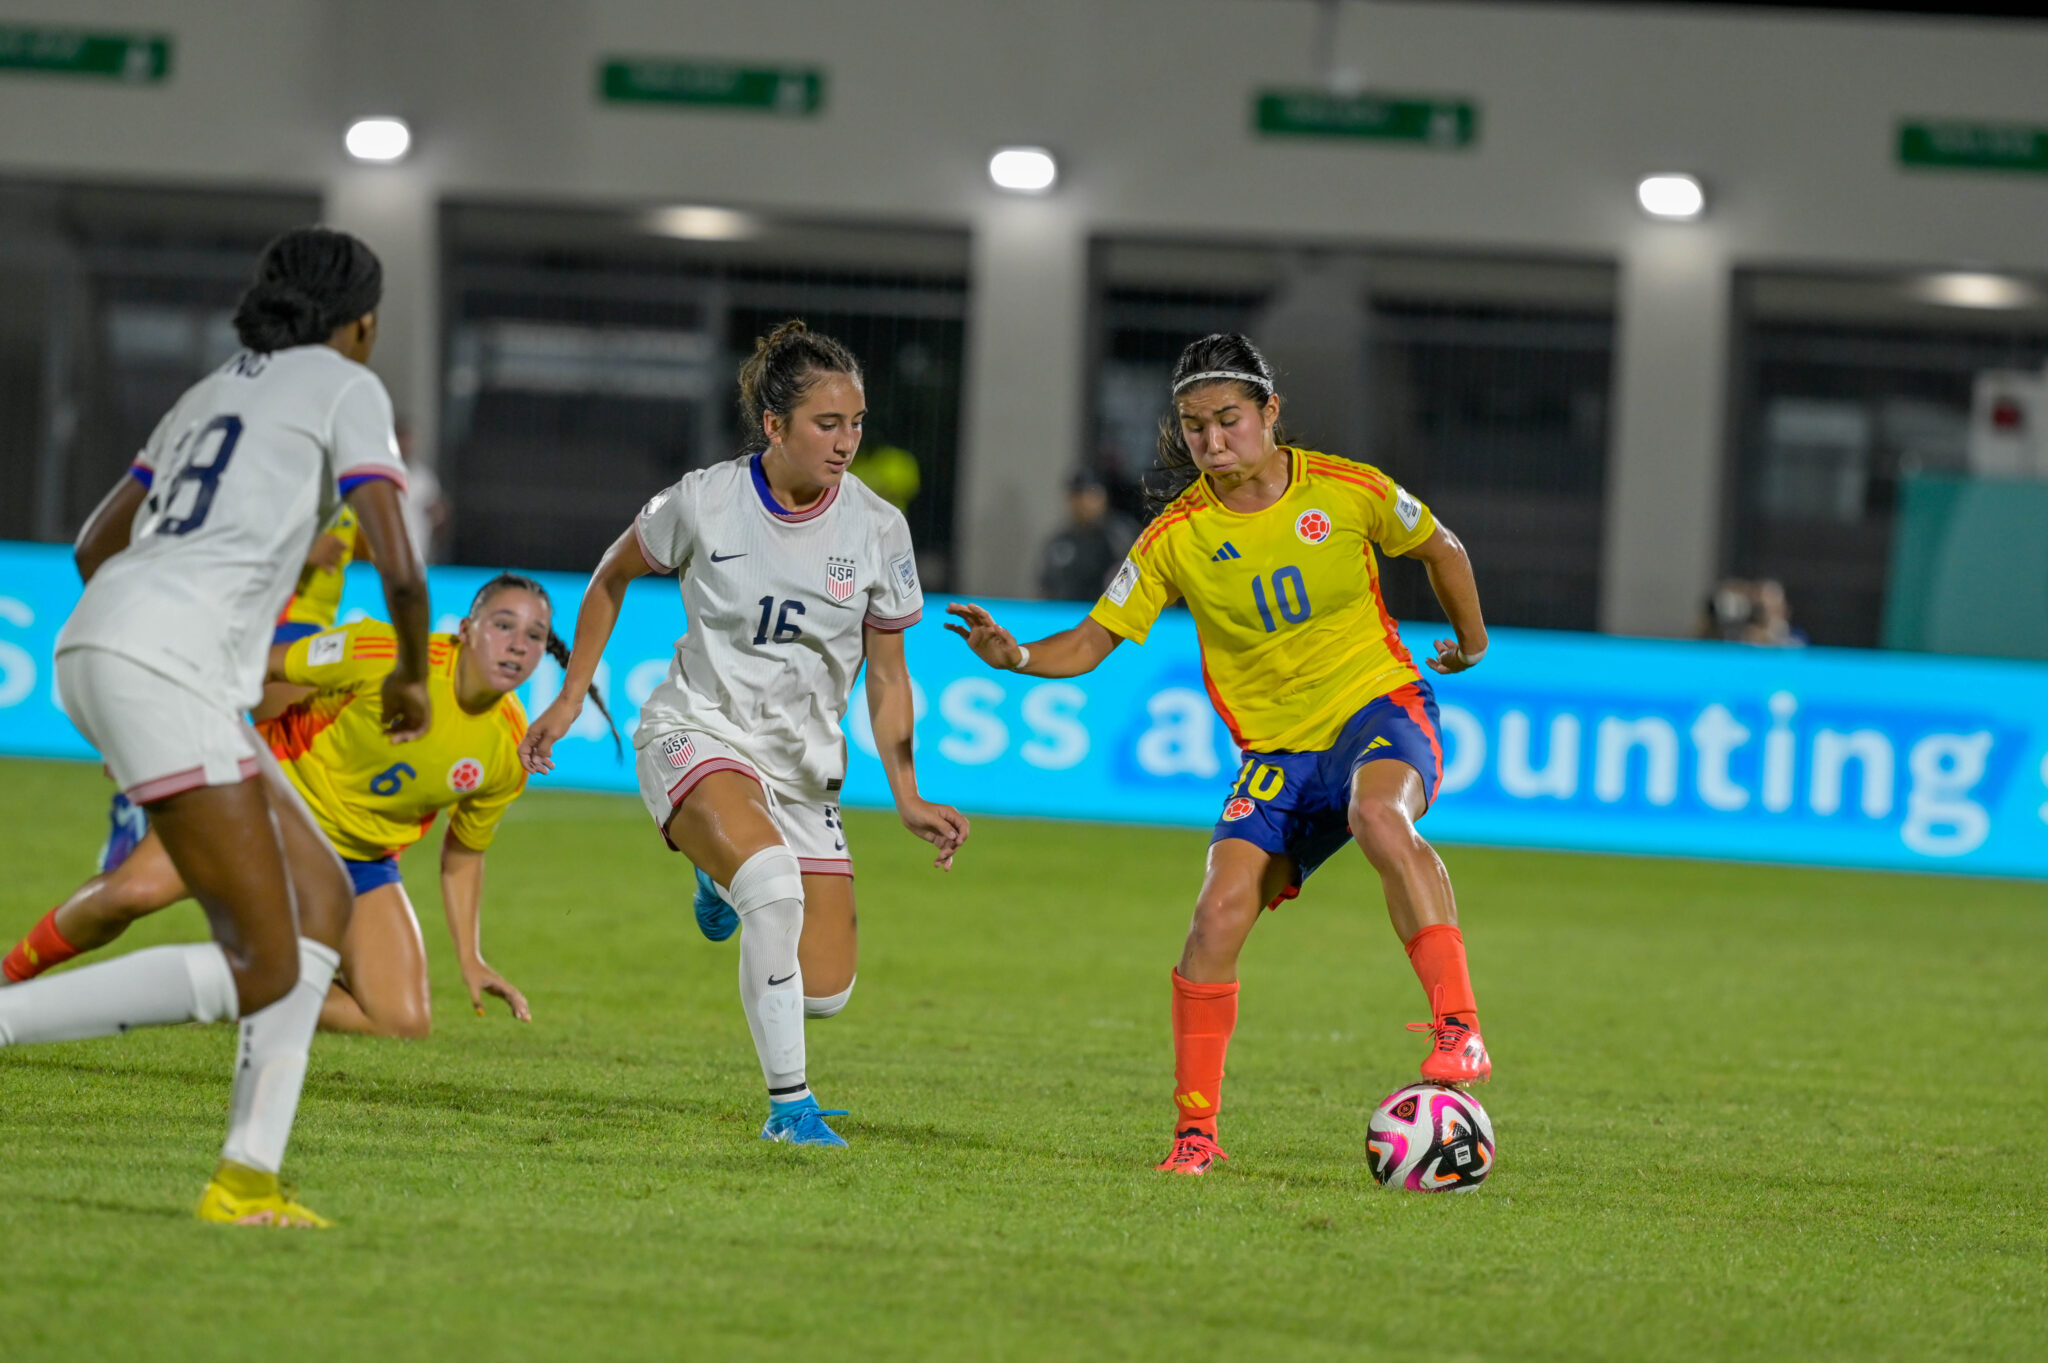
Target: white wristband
[[1024, 661]]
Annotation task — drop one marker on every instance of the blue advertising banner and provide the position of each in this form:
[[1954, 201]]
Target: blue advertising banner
[[1818, 756]]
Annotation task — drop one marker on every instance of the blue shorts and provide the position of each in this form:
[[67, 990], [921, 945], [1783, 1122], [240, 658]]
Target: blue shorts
[[291, 631], [1298, 804], [368, 875]]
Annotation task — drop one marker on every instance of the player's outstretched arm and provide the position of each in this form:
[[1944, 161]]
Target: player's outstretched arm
[[621, 565], [1066, 654], [1450, 577], [892, 713], [462, 897], [380, 510], [106, 531]]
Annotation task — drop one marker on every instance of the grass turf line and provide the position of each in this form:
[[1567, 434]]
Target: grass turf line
[[1743, 1112]]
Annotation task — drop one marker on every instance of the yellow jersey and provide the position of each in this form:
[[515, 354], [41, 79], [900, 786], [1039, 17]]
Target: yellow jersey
[[1295, 637], [371, 797], [316, 599]]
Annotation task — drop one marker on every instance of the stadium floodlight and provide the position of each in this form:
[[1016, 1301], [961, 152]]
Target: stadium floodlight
[[1976, 289], [1023, 170], [382, 139], [698, 222], [1671, 196]]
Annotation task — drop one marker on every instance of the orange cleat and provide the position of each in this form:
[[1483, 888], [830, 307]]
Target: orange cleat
[[1457, 1055], [1194, 1150]]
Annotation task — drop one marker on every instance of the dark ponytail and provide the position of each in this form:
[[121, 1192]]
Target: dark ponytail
[[781, 372], [308, 282], [557, 650], [1234, 359]]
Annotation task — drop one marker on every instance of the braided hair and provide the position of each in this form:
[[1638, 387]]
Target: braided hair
[[308, 281], [557, 650], [786, 364], [1221, 353]]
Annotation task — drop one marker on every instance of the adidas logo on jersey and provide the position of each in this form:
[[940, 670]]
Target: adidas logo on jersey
[[1228, 550]]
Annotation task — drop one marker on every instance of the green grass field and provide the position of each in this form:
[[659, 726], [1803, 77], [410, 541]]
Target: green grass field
[[1743, 1113]]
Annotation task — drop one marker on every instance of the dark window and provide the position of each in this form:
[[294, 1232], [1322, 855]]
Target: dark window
[[1481, 384], [1844, 386], [591, 361]]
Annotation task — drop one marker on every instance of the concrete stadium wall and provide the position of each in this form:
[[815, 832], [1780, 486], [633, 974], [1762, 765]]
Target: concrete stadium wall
[[1790, 120]]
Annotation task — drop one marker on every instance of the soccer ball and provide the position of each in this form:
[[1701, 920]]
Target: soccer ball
[[1429, 1138]]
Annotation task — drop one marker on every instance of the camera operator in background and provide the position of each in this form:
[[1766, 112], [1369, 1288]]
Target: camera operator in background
[[1076, 563], [1741, 611]]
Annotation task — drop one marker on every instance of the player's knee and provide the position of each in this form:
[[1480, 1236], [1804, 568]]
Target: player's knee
[[771, 876], [829, 1005], [411, 1020], [265, 974], [1382, 828]]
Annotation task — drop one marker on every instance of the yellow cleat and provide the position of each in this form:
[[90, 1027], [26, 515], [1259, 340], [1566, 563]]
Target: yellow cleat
[[241, 1196]]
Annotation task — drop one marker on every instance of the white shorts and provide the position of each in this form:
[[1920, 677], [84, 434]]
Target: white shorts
[[672, 764], [157, 738]]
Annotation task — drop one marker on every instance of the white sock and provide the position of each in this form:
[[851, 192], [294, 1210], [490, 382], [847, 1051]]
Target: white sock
[[829, 1005], [271, 1066], [768, 894], [152, 988]]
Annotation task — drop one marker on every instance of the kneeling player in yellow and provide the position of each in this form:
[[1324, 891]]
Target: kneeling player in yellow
[[372, 800]]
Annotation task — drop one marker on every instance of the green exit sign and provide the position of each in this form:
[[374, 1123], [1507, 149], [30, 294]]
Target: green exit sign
[[1421, 120], [144, 58], [794, 91], [1974, 146]]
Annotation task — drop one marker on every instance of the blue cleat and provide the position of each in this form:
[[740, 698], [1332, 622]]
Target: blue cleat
[[127, 825], [716, 919], [801, 1123]]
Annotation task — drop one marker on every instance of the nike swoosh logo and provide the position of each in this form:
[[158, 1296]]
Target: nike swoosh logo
[[772, 981], [717, 557]]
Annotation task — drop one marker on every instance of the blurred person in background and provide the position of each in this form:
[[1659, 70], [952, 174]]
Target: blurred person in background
[[427, 511], [1077, 562], [1272, 548], [1741, 611]]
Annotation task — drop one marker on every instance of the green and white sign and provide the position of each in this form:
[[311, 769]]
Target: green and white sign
[[1417, 119], [1956, 145], [141, 58], [792, 91]]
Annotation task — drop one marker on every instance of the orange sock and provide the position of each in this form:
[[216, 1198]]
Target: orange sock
[[1438, 955], [1204, 1016], [42, 948]]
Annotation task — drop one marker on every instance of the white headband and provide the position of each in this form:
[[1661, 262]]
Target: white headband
[[1207, 374]]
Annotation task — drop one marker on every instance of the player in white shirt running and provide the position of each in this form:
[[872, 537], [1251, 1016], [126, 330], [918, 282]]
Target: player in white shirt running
[[187, 563], [794, 573]]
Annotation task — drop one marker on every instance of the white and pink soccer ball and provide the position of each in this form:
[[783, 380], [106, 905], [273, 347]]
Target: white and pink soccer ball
[[1429, 1138]]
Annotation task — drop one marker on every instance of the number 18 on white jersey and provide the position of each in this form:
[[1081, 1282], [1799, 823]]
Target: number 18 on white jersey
[[241, 473]]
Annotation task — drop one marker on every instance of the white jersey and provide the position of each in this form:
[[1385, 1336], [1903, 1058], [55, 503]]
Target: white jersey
[[777, 603], [241, 472]]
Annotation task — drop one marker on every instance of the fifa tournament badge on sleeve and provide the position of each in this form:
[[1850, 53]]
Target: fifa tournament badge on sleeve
[[1125, 579]]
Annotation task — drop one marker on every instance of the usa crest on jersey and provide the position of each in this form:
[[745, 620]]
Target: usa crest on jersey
[[679, 750], [839, 577]]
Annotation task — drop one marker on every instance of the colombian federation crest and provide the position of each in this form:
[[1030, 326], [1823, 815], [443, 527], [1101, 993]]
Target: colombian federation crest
[[679, 750], [1237, 809], [465, 776], [1312, 527], [839, 577]]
